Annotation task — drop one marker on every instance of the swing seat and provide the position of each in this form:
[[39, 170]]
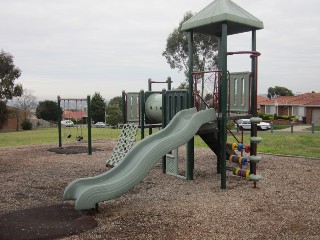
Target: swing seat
[[67, 136], [79, 138]]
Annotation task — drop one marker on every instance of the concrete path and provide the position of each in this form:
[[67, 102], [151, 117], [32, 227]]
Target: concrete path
[[296, 128]]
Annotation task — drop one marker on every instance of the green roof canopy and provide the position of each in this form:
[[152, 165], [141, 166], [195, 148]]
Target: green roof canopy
[[209, 20]]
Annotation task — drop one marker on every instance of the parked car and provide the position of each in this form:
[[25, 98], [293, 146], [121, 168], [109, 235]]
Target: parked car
[[100, 125], [67, 123], [245, 124]]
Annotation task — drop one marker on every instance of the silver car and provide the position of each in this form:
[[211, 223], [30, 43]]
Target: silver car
[[100, 125], [245, 124]]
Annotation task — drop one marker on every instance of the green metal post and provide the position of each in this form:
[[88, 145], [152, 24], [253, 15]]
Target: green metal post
[[219, 160], [190, 144], [254, 87], [149, 85], [59, 122], [124, 108], [164, 124], [169, 82], [89, 125], [142, 112], [223, 106]]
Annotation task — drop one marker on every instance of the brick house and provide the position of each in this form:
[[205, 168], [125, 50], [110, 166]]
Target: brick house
[[15, 118], [78, 115], [306, 107]]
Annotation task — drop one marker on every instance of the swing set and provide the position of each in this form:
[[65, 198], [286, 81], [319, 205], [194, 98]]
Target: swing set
[[69, 124]]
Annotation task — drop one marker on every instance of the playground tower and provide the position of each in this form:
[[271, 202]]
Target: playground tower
[[220, 19]]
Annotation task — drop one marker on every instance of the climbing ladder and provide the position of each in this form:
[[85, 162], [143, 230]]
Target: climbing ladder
[[126, 140]]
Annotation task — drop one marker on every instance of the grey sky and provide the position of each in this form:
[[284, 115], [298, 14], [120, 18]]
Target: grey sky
[[76, 47]]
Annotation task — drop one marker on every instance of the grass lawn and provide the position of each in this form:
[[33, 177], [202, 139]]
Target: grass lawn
[[276, 143]]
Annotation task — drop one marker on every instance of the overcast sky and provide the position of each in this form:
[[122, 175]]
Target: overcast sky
[[74, 48]]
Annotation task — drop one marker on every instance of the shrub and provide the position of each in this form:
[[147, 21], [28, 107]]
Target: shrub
[[265, 116], [26, 125]]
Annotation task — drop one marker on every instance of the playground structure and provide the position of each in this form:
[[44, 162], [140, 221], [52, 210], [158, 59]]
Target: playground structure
[[184, 113], [79, 137]]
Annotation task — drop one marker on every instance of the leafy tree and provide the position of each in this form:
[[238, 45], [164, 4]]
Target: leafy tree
[[114, 111], [279, 91], [8, 74], [98, 106], [48, 110], [116, 101], [204, 52], [183, 85], [114, 115]]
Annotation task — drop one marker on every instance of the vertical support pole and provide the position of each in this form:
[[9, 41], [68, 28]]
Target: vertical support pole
[[312, 127], [254, 88], [124, 108], [223, 106], [219, 160], [142, 111], [169, 82], [59, 122], [149, 85], [89, 125], [190, 144], [164, 124]]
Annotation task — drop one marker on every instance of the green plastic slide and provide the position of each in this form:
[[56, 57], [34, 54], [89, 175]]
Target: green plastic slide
[[138, 161]]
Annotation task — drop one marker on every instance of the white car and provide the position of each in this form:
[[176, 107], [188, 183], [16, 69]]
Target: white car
[[100, 125], [67, 123], [245, 124]]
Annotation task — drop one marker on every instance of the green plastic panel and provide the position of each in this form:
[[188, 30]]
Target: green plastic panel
[[133, 107], [176, 100], [239, 90]]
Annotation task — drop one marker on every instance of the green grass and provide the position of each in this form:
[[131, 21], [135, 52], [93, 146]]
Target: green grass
[[50, 135], [287, 144], [305, 144], [279, 127], [315, 128]]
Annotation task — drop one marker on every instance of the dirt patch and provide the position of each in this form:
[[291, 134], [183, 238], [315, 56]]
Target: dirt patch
[[284, 206], [48, 222], [72, 150]]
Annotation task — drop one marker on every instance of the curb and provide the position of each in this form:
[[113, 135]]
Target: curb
[[289, 156]]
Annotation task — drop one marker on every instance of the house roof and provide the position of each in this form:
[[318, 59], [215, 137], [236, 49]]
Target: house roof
[[261, 99], [76, 115], [210, 19], [300, 100]]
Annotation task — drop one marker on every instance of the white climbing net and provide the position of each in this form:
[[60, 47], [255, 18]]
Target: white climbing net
[[126, 140]]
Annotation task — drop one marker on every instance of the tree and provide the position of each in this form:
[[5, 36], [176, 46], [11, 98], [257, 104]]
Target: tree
[[48, 110], [26, 102], [279, 91], [116, 101], [98, 106], [114, 115], [204, 52], [8, 74], [114, 111]]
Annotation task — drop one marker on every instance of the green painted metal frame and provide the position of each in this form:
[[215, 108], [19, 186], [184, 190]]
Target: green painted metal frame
[[190, 144], [89, 121]]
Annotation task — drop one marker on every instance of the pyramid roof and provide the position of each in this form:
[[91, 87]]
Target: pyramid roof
[[210, 19]]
